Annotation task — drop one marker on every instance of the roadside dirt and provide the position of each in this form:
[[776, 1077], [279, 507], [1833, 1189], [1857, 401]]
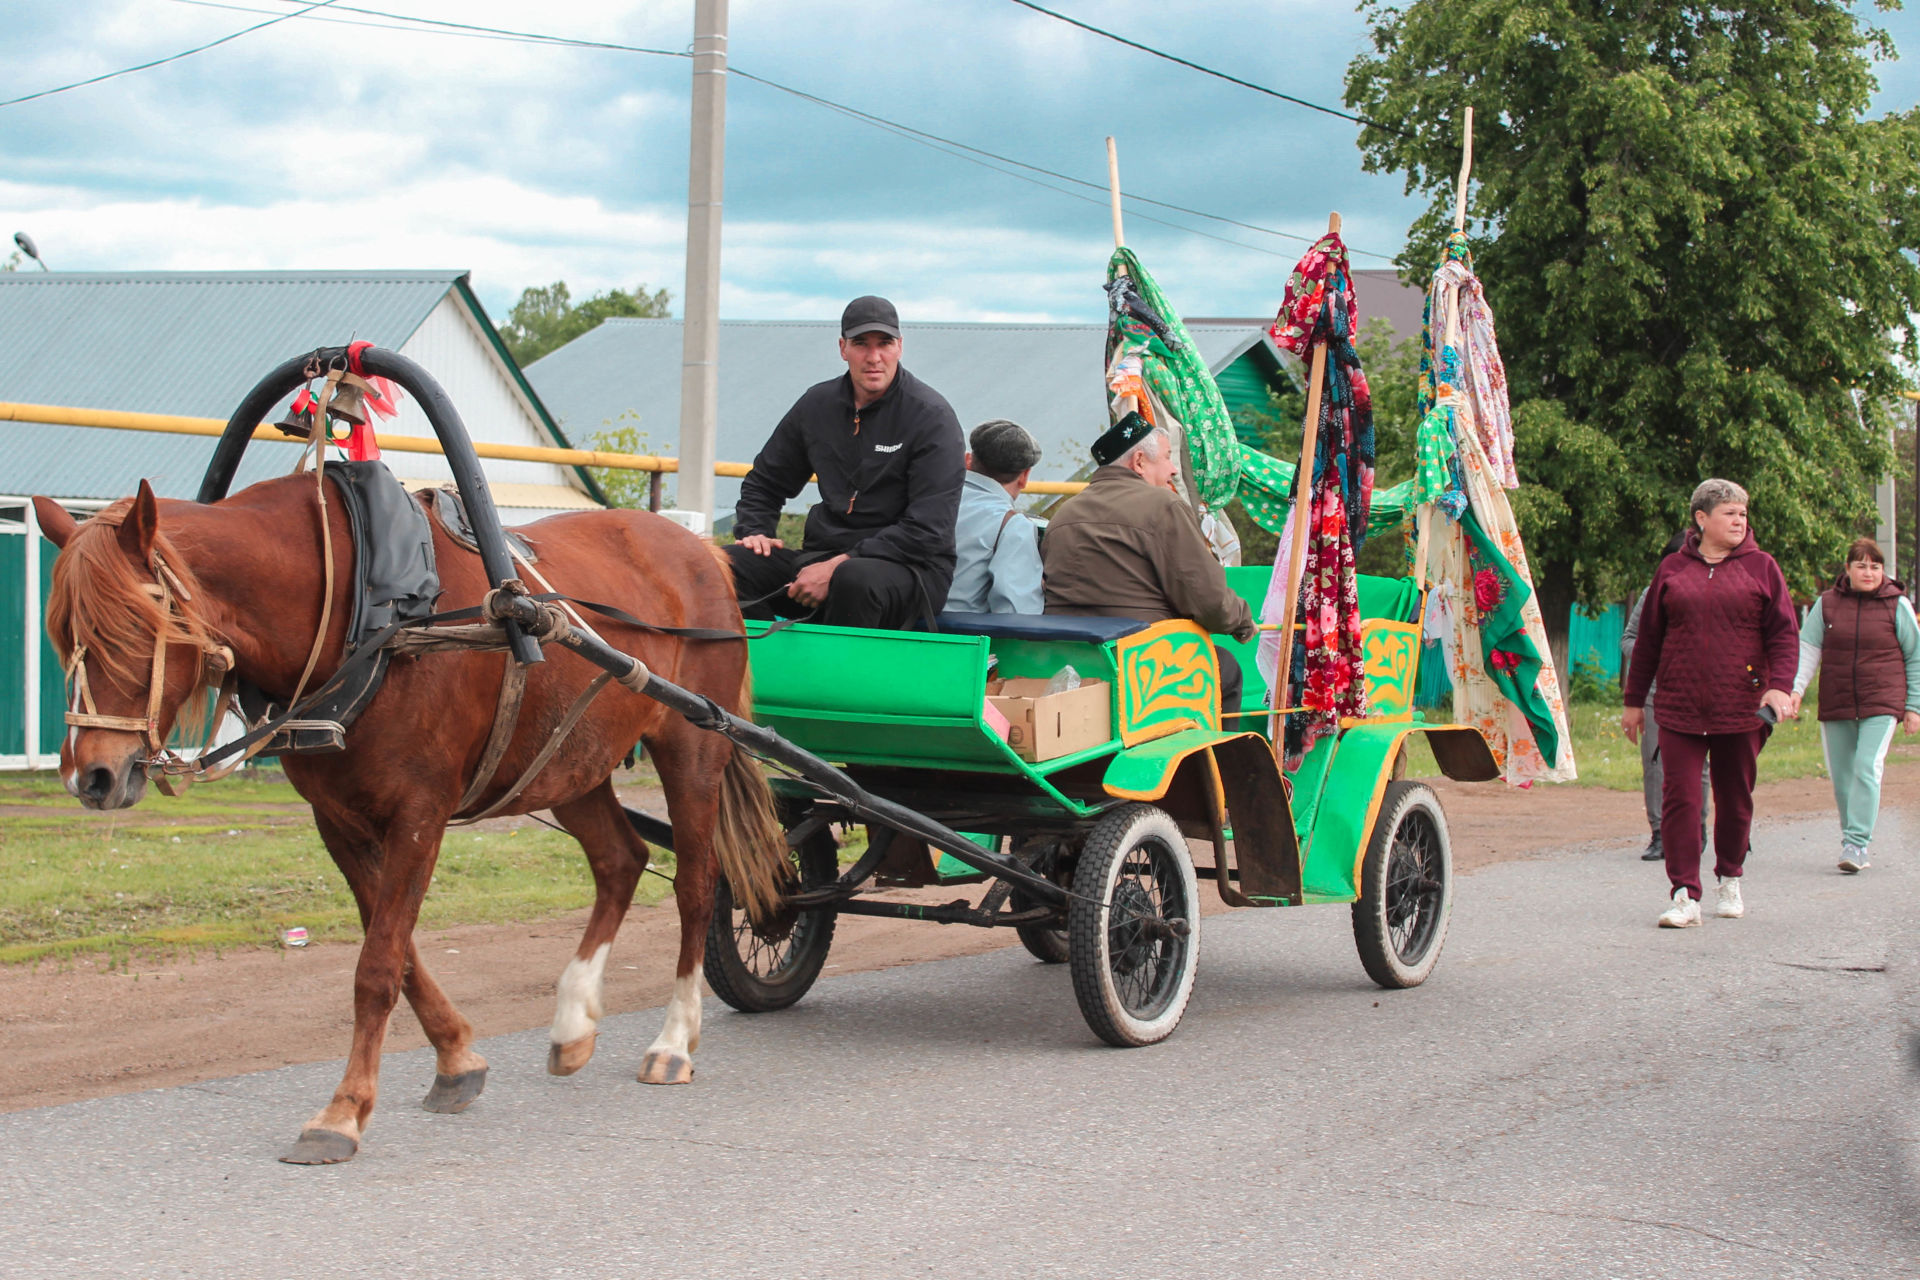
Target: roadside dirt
[[79, 1030]]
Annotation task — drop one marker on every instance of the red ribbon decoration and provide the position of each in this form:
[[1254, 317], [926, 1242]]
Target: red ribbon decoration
[[381, 403]]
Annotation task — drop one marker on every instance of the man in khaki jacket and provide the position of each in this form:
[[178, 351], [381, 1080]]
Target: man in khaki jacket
[[1129, 546]]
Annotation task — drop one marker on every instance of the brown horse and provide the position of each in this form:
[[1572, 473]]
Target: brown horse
[[245, 575]]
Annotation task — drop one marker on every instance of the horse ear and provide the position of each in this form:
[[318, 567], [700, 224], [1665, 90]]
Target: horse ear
[[55, 524], [137, 530]]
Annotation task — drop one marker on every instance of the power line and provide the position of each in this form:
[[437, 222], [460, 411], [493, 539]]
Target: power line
[[932, 140], [406, 22], [160, 62], [1218, 75], [946, 146], [921, 135]]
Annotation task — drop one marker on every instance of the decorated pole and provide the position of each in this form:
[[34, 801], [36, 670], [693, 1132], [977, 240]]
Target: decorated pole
[[1113, 192], [1302, 507], [1424, 520]]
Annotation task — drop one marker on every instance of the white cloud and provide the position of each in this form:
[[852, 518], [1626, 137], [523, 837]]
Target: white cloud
[[326, 145]]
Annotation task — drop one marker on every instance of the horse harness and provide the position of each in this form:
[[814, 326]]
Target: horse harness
[[395, 581], [216, 656]]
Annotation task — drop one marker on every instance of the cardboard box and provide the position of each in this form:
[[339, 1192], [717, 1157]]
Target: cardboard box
[[1042, 725]]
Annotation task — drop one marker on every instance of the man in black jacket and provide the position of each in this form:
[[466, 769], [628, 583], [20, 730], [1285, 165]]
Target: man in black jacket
[[891, 461]]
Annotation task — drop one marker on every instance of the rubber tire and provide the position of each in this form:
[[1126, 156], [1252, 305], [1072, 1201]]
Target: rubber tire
[[1403, 804], [1046, 943], [818, 862], [1116, 836]]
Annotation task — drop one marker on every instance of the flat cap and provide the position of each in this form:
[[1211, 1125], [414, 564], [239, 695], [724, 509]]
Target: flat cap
[[1001, 447]]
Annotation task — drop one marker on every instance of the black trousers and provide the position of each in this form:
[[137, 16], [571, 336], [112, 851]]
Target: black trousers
[[1231, 684], [862, 592]]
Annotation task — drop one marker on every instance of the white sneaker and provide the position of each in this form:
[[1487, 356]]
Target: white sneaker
[[1853, 860], [1683, 914], [1727, 904]]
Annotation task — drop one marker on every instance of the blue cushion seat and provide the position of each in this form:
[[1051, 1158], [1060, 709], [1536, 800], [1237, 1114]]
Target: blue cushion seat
[[1039, 626]]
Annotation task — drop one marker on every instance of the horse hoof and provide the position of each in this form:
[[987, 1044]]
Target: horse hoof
[[320, 1146], [665, 1066], [451, 1094], [565, 1059]]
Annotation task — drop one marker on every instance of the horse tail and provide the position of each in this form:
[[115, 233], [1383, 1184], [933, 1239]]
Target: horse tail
[[749, 841]]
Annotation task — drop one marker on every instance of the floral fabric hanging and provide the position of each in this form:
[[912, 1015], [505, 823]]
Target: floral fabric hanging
[[1460, 365], [1318, 307], [1153, 366], [1482, 601]]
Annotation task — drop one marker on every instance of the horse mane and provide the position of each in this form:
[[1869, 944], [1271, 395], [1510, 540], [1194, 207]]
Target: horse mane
[[98, 598]]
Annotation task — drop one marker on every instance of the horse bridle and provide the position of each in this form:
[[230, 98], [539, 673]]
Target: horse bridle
[[217, 656]]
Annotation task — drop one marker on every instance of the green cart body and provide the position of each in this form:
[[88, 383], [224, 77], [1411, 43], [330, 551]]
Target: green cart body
[[904, 714]]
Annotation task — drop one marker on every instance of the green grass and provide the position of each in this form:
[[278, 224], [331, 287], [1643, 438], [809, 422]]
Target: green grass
[[1604, 757], [233, 862]]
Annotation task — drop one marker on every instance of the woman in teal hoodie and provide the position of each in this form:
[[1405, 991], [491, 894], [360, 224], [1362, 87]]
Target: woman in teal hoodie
[[1862, 636]]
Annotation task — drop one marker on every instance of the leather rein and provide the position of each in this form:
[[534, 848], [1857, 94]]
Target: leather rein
[[173, 772]]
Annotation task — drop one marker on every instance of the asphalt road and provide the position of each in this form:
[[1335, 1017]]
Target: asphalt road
[[1574, 1093]]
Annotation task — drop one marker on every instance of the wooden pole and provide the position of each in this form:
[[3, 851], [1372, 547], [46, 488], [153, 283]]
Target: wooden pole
[[1302, 509], [1113, 192], [1466, 167]]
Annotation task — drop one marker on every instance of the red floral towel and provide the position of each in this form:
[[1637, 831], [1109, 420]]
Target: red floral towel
[[1328, 665]]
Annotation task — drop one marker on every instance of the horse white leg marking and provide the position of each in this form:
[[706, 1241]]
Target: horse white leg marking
[[669, 1060], [579, 1009], [681, 1034]]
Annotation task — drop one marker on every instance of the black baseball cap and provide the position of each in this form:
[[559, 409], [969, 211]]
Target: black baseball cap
[[869, 315]]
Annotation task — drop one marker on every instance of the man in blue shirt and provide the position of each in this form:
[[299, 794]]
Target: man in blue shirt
[[998, 549]]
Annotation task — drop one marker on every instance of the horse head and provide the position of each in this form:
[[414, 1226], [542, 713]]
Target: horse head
[[122, 614]]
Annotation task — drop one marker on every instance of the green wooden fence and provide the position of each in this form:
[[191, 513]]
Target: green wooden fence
[[18, 629]]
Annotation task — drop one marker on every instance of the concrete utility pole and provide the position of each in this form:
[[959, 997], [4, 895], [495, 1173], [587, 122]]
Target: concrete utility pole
[[1886, 527], [700, 354]]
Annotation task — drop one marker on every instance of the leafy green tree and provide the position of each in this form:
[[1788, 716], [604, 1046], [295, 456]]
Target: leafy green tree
[[1697, 247], [627, 488], [546, 319]]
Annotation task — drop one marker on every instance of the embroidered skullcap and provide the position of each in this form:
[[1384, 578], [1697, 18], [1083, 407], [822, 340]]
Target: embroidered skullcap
[[1120, 437]]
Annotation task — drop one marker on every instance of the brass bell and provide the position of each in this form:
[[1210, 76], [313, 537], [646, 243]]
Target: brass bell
[[299, 420], [349, 404]]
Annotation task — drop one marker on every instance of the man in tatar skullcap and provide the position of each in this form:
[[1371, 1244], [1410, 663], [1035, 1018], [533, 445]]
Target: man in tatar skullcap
[[1128, 545]]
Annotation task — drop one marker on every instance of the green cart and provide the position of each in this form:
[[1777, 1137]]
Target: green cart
[[1088, 850]]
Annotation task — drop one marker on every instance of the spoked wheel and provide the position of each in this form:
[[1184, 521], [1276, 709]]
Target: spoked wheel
[[1132, 973], [1406, 888], [1045, 942], [760, 968]]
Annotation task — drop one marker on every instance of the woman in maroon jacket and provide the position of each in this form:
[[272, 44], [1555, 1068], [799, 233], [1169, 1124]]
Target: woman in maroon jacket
[[1717, 631]]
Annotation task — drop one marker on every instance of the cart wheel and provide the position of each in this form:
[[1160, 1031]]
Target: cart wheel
[[1406, 888], [758, 969], [1046, 942], [1133, 986]]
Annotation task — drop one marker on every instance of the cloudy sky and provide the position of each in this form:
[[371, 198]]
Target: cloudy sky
[[318, 144]]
